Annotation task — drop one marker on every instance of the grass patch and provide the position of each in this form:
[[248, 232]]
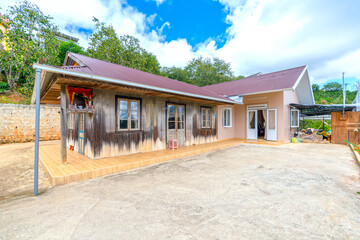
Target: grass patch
[[14, 98]]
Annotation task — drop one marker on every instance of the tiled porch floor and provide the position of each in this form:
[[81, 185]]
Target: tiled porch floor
[[80, 167]]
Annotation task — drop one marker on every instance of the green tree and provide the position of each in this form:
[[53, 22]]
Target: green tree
[[315, 87], [176, 73], [30, 37], [65, 47], [332, 86], [206, 71], [125, 50]]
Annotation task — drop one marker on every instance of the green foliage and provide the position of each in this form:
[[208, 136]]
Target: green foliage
[[316, 124], [202, 71], [65, 47], [25, 91], [315, 87], [4, 87], [333, 97], [30, 37], [332, 86], [125, 50]]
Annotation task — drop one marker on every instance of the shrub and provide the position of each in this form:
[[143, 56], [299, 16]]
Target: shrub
[[4, 87]]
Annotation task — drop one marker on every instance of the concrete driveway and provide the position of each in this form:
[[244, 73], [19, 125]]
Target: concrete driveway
[[295, 191]]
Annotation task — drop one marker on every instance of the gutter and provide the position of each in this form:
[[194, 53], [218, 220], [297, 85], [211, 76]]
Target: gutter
[[123, 82]]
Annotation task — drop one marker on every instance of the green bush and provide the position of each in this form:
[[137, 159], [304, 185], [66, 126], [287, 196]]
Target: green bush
[[316, 124], [4, 87], [25, 91]]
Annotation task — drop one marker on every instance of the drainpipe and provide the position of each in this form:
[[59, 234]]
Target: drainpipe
[[37, 126], [344, 93]]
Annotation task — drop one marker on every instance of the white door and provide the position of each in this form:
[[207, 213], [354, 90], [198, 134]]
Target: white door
[[252, 127], [271, 125]]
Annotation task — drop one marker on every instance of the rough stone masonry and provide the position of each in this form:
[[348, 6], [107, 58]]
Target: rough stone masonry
[[17, 123]]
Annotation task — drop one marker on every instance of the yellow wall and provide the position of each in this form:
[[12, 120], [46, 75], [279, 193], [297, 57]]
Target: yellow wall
[[3, 43]]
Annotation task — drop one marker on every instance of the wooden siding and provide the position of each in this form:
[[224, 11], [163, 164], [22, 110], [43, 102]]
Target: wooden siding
[[103, 140], [341, 127]]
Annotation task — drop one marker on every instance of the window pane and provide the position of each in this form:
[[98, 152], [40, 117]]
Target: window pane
[[180, 109], [252, 120], [171, 109], [134, 115], [180, 125], [171, 125], [271, 119], [124, 114], [123, 124], [134, 105], [123, 104], [134, 124]]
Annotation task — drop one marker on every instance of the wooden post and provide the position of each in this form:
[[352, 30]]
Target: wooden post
[[63, 125]]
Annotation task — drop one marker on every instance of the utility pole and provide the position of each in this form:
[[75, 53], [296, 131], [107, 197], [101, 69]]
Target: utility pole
[[344, 93]]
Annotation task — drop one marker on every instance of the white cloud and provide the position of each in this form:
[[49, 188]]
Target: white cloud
[[264, 36]]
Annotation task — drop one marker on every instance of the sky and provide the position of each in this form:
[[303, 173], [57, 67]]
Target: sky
[[253, 35]]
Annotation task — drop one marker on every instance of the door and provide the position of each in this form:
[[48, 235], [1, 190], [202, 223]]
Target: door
[[252, 127], [271, 125], [176, 123], [81, 133]]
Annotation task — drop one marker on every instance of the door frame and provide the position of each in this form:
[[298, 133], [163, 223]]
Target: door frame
[[254, 107], [267, 125], [83, 133], [248, 123], [166, 118]]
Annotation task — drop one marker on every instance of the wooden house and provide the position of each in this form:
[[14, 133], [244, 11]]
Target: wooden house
[[110, 110]]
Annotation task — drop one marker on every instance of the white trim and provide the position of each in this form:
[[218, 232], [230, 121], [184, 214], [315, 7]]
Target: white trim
[[299, 78], [298, 118], [256, 107], [123, 82], [223, 116], [270, 91]]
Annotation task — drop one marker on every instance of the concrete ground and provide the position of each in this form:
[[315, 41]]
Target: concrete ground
[[17, 170], [295, 191]]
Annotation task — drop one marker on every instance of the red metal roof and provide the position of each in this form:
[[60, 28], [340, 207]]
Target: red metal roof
[[274, 81], [106, 69]]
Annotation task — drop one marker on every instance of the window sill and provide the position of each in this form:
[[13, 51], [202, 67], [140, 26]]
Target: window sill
[[227, 126]]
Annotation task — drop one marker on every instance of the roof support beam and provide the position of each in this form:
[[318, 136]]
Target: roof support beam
[[63, 124], [37, 132]]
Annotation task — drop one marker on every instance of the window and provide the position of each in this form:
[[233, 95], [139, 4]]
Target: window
[[295, 118], [71, 120], [205, 117], [227, 117], [128, 114]]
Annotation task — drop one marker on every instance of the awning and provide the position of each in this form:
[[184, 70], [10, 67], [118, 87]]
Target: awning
[[320, 109]]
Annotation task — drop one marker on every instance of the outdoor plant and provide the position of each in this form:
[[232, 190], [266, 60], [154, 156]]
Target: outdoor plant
[[4, 87]]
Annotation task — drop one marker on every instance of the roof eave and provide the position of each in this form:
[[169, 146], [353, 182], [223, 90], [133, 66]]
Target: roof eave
[[123, 82]]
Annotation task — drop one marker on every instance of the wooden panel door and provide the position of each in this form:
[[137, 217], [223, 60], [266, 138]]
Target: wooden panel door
[[176, 123]]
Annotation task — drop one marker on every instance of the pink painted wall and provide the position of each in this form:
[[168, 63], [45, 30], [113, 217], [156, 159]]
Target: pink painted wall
[[278, 100], [225, 132], [289, 97]]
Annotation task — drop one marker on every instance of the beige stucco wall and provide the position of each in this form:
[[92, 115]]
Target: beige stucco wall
[[278, 100], [225, 132], [289, 97]]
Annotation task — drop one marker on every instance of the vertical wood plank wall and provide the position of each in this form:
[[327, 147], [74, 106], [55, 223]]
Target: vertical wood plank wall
[[340, 127], [102, 139]]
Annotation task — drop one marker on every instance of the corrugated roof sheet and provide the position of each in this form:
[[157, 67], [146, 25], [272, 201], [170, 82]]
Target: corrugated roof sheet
[[255, 84], [115, 71]]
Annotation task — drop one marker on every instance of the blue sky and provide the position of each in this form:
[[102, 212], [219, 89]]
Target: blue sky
[[253, 35]]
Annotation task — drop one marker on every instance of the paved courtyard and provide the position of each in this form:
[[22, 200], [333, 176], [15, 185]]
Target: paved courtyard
[[294, 191]]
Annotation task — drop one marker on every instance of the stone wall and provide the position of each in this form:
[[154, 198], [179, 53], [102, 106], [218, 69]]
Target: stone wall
[[17, 123]]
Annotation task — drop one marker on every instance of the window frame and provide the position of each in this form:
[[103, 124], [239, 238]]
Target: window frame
[[230, 117], [117, 112], [292, 117], [208, 114]]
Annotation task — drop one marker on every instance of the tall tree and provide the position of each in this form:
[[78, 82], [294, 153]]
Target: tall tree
[[125, 50], [64, 47], [332, 86], [206, 71], [315, 87], [30, 37]]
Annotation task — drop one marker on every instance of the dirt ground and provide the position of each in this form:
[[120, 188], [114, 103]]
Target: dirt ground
[[17, 170], [294, 191]]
